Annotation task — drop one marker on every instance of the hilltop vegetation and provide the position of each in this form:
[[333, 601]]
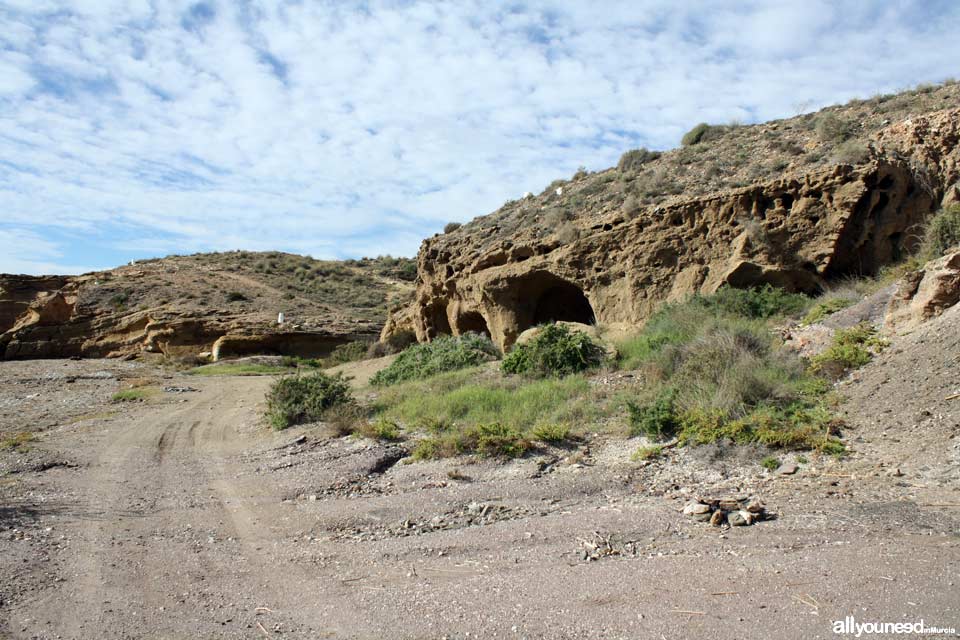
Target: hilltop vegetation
[[713, 158]]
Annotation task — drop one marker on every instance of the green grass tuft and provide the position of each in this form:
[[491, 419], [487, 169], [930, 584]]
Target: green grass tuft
[[851, 349], [824, 308]]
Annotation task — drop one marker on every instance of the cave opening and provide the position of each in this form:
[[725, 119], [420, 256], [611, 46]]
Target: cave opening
[[473, 322], [563, 301]]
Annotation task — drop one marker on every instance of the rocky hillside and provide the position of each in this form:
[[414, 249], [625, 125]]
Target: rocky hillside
[[224, 303], [794, 202]]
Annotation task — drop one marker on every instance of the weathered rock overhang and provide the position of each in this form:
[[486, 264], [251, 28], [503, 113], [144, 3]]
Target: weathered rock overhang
[[796, 232]]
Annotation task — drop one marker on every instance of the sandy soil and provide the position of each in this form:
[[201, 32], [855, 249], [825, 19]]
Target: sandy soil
[[183, 517]]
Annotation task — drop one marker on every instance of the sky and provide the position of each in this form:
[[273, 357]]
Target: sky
[[141, 128]]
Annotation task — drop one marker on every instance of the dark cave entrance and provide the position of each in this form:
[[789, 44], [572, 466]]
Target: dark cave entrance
[[563, 301], [473, 322]]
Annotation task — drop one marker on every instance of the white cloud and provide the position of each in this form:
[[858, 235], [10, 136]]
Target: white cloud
[[27, 252], [310, 126]]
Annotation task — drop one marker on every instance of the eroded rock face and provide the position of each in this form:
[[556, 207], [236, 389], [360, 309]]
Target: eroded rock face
[[924, 294], [54, 318], [796, 232]]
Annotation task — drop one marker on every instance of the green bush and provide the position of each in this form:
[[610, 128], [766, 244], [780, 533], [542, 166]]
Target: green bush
[[695, 135], [635, 158], [487, 440], [554, 433], [851, 349], [759, 302], [430, 358], [380, 429], [655, 419], [715, 372], [295, 400], [770, 463], [554, 351], [942, 233]]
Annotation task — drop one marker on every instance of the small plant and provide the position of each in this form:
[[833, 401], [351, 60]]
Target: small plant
[[450, 227], [381, 429], [695, 135], [802, 460], [770, 463], [495, 439], [554, 351], [119, 300], [635, 158], [851, 349], [942, 233], [656, 419], [236, 296], [852, 152], [824, 308], [647, 453], [349, 352], [295, 400], [19, 442], [133, 395], [567, 233], [833, 129], [430, 358], [552, 433], [631, 207]]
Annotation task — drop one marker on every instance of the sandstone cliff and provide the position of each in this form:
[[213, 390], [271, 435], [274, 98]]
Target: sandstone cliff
[[797, 203], [225, 304]]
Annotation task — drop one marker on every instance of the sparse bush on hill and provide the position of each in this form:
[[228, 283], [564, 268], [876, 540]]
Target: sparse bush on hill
[[942, 232], [295, 400], [567, 232], [852, 152], [695, 135], [833, 129], [445, 353], [236, 296], [450, 227], [631, 207], [554, 351], [635, 158]]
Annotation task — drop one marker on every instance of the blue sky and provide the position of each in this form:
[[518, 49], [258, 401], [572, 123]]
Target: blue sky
[[136, 128]]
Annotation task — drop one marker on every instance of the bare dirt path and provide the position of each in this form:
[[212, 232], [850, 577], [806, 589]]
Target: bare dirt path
[[185, 518]]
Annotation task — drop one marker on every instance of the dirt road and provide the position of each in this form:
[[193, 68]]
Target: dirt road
[[183, 517]]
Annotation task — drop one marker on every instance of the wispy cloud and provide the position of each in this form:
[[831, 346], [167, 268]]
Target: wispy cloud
[[340, 129]]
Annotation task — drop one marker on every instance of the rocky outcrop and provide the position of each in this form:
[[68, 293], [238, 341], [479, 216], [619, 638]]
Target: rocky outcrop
[[177, 307], [797, 231], [924, 294]]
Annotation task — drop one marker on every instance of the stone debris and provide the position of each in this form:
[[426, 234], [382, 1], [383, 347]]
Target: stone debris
[[735, 512]]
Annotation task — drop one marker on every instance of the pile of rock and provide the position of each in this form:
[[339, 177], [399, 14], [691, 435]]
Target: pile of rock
[[735, 512]]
